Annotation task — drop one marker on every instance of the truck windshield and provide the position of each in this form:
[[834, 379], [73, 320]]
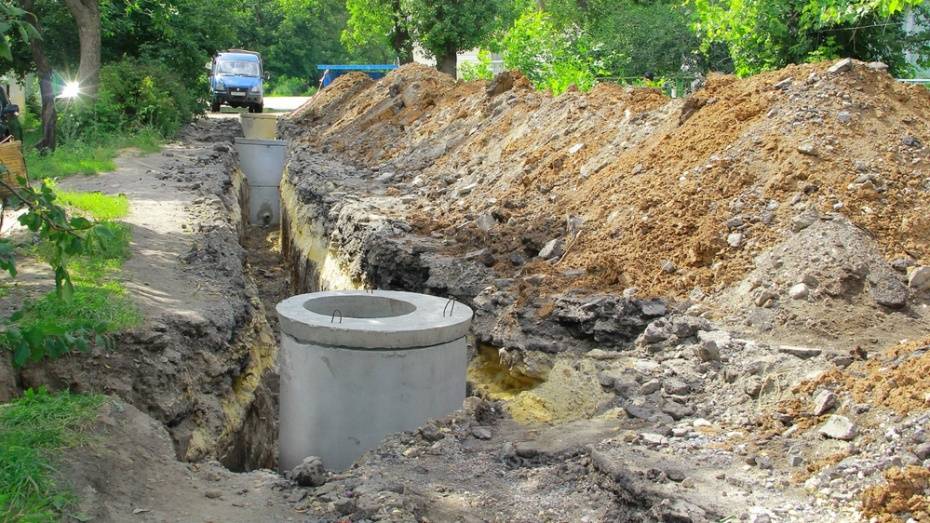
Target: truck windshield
[[237, 68]]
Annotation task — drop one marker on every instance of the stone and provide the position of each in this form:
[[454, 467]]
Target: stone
[[526, 450], [481, 432], [764, 462], [344, 506], [508, 451], [877, 66], [824, 401], [676, 410], [552, 249], [753, 386], [675, 386], [889, 292], [910, 141], [708, 351], [688, 326], [574, 224], [800, 352], [807, 149], [841, 66], [668, 267], [653, 308], [213, 494], [735, 239], [675, 475], [783, 84], [795, 461], [650, 386], [310, 473], [430, 433], [653, 438], [902, 264], [486, 222], [843, 117], [839, 427], [655, 332], [575, 148], [804, 220], [922, 451], [625, 385], [799, 291], [919, 279]]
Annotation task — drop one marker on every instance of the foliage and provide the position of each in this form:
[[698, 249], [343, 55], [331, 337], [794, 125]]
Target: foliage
[[65, 237], [767, 34], [376, 27], [33, 429], [296, 35], [631, 37], [443, 27], [133, 96], [290, 86], [551, 58], [480, 70], [12, 19]]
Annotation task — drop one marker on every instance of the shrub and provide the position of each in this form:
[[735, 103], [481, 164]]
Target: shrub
[[480, 70], [133, 96], [289, 86], [552, 58]]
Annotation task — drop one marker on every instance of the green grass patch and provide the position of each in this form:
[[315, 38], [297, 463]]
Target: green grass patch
[[97, 205], [101, 307], [87, 156], [34, 430]]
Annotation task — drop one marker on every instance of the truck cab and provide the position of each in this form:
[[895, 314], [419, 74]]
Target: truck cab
[[236, 80]]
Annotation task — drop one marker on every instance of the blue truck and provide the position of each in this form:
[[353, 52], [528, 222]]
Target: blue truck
[[236, 80]]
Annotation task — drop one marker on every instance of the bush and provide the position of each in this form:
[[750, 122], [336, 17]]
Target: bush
[[133, 96], [552, 58], [289, 86], [480, 70]]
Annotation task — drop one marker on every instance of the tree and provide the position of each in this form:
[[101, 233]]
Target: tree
[[373, 23], [768, 34], [43, 69], [445, 27], [87, 15]]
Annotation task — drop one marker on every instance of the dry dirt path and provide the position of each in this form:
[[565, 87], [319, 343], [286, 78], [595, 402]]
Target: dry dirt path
[[130, 472]]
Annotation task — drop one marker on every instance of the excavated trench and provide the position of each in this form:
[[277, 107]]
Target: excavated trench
[[310, 252]]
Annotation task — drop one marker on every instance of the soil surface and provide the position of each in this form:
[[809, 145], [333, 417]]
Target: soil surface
[[690, 310]]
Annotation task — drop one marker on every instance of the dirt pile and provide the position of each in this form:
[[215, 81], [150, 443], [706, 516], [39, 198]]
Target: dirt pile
[[907, 491], [898, 380], [635, 189]]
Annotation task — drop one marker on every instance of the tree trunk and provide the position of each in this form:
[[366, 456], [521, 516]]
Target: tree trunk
[[87, 15], [448, 63], [46, 89]]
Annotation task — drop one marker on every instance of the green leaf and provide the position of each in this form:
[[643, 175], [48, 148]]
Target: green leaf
[[21, 355]]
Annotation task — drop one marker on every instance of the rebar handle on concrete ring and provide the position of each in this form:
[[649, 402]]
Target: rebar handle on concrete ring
[[450, 309]]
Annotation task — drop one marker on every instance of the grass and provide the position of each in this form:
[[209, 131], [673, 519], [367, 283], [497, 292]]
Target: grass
[[101, 307], [99, 303], [80, 157], [34, 429], [101, 207]]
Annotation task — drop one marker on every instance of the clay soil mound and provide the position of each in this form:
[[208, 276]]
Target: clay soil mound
[[632, 182]]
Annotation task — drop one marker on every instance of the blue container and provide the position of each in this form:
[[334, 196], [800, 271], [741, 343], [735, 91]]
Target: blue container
[[331, 72]]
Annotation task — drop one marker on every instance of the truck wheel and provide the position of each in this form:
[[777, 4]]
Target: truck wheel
[[258, 107], [215, 107]]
